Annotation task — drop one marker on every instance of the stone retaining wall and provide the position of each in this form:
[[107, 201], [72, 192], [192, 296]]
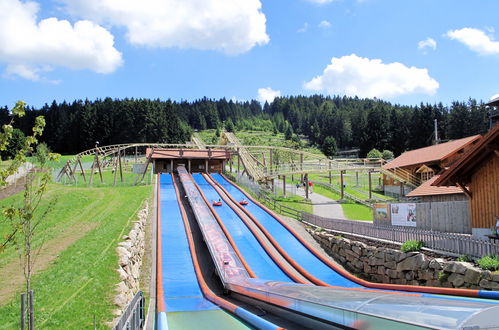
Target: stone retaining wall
[[385, 265], [130, 252]]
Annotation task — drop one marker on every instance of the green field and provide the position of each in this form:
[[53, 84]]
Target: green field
[[77, 282], [352, 211]]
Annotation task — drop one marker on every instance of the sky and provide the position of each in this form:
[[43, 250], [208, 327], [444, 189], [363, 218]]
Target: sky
[[405, 52]]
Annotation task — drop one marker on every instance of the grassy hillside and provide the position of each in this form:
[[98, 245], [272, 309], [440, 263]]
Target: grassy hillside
[[77, 262]]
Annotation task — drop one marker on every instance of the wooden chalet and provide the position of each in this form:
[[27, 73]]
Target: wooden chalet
[[194, 160], [420, 165], [477, 174]]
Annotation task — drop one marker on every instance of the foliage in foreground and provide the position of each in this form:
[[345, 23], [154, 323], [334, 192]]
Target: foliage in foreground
[[412, 246], [490, 262], [79, 283]]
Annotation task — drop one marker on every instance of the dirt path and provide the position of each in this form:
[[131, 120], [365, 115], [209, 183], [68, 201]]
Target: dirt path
[[11, 274]]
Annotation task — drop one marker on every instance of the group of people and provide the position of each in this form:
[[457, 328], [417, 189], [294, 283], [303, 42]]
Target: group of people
[[304, 184]]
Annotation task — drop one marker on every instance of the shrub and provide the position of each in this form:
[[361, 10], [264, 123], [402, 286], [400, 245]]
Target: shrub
[[443, 276], [464, 258], [411, 246], [489, 262]]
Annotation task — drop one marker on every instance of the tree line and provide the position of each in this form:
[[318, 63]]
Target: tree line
[[349, 122]]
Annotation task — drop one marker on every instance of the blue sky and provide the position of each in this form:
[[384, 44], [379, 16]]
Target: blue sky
[[405, 52]]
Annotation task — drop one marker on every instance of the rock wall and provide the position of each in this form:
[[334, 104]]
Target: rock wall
[[385, 265], [130, 252]]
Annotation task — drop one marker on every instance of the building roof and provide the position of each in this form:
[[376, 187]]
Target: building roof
[[460, 172], [494, 102], [430, 154], [426, 189], [187, 153]]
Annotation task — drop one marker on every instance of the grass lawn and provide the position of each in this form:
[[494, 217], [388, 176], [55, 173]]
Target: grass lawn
[[352, 211], [77, 283], [295, 202]]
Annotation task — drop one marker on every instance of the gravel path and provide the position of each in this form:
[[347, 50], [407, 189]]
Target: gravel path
[[321, 205]]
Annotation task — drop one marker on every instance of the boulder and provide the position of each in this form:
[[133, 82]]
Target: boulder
[[456, 279], [472, 275], [411, 263], [486, 284], [436, 263], [456, 267]]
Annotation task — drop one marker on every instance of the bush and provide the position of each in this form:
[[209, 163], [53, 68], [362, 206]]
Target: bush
[[411, 246], [464, 258], [374, 153], [489, 262]]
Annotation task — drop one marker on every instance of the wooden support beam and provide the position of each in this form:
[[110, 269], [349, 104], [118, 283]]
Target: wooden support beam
[[98, 165], [189, 166], [171, 165], [465, 190], [115, 169], [82, 170], [206, 166], [92, 173]]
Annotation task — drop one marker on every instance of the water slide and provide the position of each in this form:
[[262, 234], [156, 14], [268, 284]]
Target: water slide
[[182, 301], [347, 303]]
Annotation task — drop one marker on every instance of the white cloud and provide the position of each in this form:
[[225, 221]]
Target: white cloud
[[320, 2], [493, 97], [28, 48], [476, 40], [324, 24], [229, 26], [353, 75], [427, 43], [267, 94], [303, 29]]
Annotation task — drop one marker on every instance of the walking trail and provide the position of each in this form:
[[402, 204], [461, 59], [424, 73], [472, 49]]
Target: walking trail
[[321, 205]]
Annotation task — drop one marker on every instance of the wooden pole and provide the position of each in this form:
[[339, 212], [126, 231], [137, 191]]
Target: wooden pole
[[306, 185], [92, 172], [171, 165], [189, 166], [342, 185], [121, 168], [370, 185], [238, 161], [230, 164], [284, 185], [271, 160], [206, 166], [357, 178], [82, 170], [115, 169], [98, 165]]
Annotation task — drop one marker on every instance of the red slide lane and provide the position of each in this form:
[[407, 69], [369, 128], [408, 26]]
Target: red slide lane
[[223, 193], [383, 286], [226, 232]]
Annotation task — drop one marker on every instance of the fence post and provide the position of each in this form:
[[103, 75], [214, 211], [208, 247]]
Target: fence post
[[23, 310], [31, 307]]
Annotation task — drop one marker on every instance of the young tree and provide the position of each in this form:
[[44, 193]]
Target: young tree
[[374, 153], [329, 147], [288, 134], [387, 154], [23, 219]]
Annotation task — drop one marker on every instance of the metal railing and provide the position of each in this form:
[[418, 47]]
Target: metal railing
[[453, 243], [133, 317]]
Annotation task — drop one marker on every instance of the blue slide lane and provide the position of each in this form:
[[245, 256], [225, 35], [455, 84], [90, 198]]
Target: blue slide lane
[[180, 284], [289, 243], [254, 254]]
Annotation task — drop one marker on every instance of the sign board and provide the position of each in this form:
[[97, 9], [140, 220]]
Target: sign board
[[381, 213], [403, 214]]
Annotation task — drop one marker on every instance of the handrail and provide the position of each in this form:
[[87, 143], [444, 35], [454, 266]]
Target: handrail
[[133, 317]]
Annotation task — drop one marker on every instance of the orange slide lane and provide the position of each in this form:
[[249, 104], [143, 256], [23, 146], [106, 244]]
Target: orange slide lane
[[210, 295], [223, 193], [226, 232], [382, 286]]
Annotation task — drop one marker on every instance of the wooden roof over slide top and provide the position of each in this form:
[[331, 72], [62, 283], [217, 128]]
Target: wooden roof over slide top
[[430, 154], [181, 153]]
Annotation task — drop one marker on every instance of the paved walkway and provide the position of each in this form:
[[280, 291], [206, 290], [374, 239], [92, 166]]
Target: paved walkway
[[321, 205]]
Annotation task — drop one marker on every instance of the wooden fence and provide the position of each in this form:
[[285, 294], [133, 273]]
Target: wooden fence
[[451, 216], [457, 244]]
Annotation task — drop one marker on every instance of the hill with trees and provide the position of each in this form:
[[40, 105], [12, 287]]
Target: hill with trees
[[349, 122]]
